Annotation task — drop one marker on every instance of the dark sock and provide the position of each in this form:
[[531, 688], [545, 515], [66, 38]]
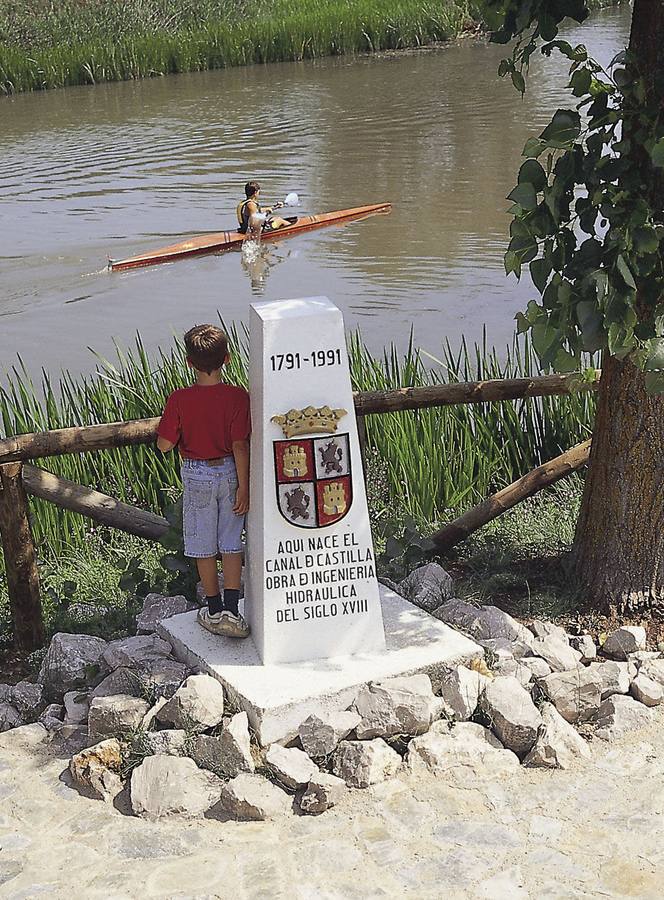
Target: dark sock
[[231, 597], [214, 604]]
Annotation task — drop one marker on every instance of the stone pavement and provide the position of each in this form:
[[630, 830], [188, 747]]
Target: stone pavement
[[595, 830]]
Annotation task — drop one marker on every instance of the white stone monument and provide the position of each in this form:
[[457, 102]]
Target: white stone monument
[[311, 588]]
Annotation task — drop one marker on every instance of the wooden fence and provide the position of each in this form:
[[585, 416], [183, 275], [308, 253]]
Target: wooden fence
[[18, 479]]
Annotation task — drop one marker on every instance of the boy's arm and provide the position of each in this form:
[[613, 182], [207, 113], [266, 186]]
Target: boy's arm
[[164, 445], [241, 457], [168, 430]]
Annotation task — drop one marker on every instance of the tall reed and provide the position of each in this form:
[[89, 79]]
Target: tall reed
[[436, 460]]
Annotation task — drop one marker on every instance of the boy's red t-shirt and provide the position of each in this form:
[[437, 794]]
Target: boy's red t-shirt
[[204, 420]]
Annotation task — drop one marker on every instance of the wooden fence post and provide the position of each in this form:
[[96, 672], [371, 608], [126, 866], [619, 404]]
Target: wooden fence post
[[20, 560]]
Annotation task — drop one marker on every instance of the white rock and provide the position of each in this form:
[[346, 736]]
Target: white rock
[[503, 648], [51, 717], [483, 623], [516, 668], [111, 716], [157, 607], [97, 769], [427, 586], [292, 768], [322, 792], [557, 744], [463, 747], [542, 629], [227, 754], [10, 717], [585, 645], [460, 692], [321, 732], [559, 655], [197, 705], [150, 716], [627, 639], [24, 737], [639, 657], [169, 742], [163, 677], [255, 798], [76, 707], [139, 652], [653, 669], [27, 697], [647, 691], [404, 705], [172, 786], [619, 715], [614, 677], [576, 694], [361, 763], [538, 667], [72, 661], [513, 715]]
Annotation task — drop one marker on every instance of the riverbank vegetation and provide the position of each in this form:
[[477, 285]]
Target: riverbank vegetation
[[54, 43]]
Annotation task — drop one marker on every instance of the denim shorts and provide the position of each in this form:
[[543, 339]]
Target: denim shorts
[[210, 526]]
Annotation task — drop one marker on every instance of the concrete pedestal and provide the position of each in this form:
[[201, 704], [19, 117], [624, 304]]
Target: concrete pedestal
[[279, 696]]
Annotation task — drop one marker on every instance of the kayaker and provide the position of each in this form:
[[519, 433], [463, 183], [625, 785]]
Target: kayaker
[[249, 209]]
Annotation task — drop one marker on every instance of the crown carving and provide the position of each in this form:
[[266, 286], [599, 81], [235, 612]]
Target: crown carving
[[310, 420], [295, 461]]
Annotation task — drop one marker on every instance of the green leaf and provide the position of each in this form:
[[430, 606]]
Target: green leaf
[[540, 270], [524, 194], [655, 382], [563, 129], [519, 82], [591, 323], [657, 154], [625, 272], [564, 362], [646, 239], [545, 337], [531, 172], [580, 82], [522, 323], [534, 147], [512, 263], [655, 360]]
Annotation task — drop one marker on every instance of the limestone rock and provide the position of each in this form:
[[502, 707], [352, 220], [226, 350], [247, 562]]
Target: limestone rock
[[646, 691], [23, 737], [27, 697], [253, 797], [361, 763], [538, 667], [627, 639], [585, 645], [427, 586], [172, 786], [198, 704], [322, 792], [321, 732], [76, 707], [169, 742], [10, 717], [404, 705], [542, 629], [163, 677], [503, 648], [97, 769], [150, 716], [483, 623], [558, 742], [67, 740], [51, 717], [619, 715], [653, 669], [639, 657], [558, 653], [292, 768], [227, 754], [120, 681], [111, 716], [72, 661], [464, 746], [157, 607], [514, 716], [460, 692], [5, 693], [139, 652], [614, 677], [576, 694], [516, 668]]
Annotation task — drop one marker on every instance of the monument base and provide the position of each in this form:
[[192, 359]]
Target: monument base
[[278, 697]]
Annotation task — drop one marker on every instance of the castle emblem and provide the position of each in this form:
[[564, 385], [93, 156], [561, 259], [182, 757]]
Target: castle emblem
[[313, 480]]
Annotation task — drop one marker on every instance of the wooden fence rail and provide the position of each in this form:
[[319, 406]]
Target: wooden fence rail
[[17, 479]]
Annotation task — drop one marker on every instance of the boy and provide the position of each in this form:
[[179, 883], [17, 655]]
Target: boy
[[249, 207], [210, 425]]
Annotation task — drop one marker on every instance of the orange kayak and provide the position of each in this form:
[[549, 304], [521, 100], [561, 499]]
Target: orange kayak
[[229, 240]]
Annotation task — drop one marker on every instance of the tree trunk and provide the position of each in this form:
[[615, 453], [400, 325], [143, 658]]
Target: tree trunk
[[619, 545]]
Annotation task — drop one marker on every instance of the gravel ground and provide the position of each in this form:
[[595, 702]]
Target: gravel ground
[[592, 831]]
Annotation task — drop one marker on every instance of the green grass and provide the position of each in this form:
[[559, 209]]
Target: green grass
[[54, 44]]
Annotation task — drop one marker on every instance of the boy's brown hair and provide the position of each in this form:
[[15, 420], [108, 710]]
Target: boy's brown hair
[[207, 347], [250, 188]]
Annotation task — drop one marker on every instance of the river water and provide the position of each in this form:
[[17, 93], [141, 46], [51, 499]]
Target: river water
[[87, 173]]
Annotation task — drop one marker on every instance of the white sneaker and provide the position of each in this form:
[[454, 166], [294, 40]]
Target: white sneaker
[[225, 623]]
